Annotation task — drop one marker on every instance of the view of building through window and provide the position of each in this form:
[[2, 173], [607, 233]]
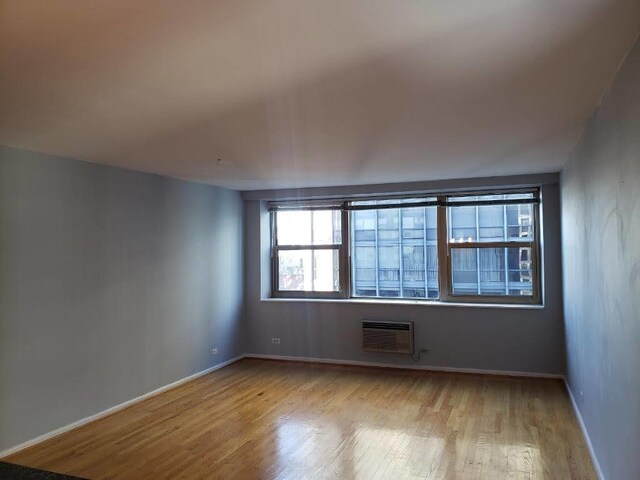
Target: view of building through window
[[491, 271], [393, 249], [394, 252]]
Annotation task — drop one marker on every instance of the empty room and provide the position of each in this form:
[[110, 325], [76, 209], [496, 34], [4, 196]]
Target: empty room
[[319, 239]]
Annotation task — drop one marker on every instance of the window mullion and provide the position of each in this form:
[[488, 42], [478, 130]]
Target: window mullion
[[505, 230], [425, 260], [344, 263], [377, 255], [536, 254], [443, 254], [275, 275], [479, 274], [400, 255]]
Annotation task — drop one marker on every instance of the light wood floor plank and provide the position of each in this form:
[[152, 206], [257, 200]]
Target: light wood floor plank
[[285, 420]]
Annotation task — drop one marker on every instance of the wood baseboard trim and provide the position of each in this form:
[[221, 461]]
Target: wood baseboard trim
[[114, 409], [471, 371], [585, 433]]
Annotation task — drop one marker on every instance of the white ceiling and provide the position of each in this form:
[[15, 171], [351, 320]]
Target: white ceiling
[[303, 93]]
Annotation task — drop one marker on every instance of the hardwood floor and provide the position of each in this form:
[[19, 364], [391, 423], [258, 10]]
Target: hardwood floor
[[267, 419]]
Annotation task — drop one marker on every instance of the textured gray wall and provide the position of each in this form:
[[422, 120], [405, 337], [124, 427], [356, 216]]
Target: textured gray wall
[[510, 339], [601, 245], [112, 283]]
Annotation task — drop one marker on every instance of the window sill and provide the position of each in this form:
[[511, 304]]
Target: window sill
[[423, 303]]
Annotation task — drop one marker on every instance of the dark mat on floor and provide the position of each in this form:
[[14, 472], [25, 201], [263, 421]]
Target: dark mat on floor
[[10, 471]]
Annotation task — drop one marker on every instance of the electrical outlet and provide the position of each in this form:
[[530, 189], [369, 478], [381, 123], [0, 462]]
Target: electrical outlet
[[275, 341], [214, 351]]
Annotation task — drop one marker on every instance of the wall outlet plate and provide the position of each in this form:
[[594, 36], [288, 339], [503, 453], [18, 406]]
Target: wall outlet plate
[[275, 340]]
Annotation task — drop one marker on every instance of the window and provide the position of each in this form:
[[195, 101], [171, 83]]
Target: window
[[307, 252], [394, 250], [491, 246], [460, 248]]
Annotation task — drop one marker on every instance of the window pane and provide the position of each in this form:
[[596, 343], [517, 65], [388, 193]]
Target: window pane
[[413, 264], [294, 228], [308, 270], [491, 223], [464, 271], [388, 257], [492, 271], [309, 227], [364, 261], [394, 252], [520, 222], [326, 227]]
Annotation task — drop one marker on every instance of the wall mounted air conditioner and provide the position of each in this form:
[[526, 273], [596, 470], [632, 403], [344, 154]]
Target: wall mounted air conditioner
[[394, 337]]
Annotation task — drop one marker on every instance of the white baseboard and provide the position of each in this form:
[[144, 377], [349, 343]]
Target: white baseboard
[[109, 411], [585, 433], [507, 373]]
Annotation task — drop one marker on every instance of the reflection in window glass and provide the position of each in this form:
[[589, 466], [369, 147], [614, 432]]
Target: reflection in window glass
[[491, 223], [394, 252], [492, 271]]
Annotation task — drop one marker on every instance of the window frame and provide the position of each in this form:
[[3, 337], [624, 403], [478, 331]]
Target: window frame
[[444, 248], [343, 262], [423, 200]]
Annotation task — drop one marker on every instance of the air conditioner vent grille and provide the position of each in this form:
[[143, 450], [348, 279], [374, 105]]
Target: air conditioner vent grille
[[396, 337]]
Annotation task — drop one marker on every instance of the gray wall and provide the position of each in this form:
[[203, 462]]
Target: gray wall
[[601, 245], [112, 283], [509, 339]]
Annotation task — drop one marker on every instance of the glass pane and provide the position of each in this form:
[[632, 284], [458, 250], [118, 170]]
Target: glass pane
[[491, 223], [365, 235], [364, 267], [394, 252], [309, 227], [413, 223], [492, 271], [464, 271], [463, 224], [520, 222], [308, 270], [413, 265], [389, 266], [294, 228], [326, 227]]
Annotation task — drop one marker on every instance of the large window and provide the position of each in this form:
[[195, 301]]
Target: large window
[[460, 248]]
